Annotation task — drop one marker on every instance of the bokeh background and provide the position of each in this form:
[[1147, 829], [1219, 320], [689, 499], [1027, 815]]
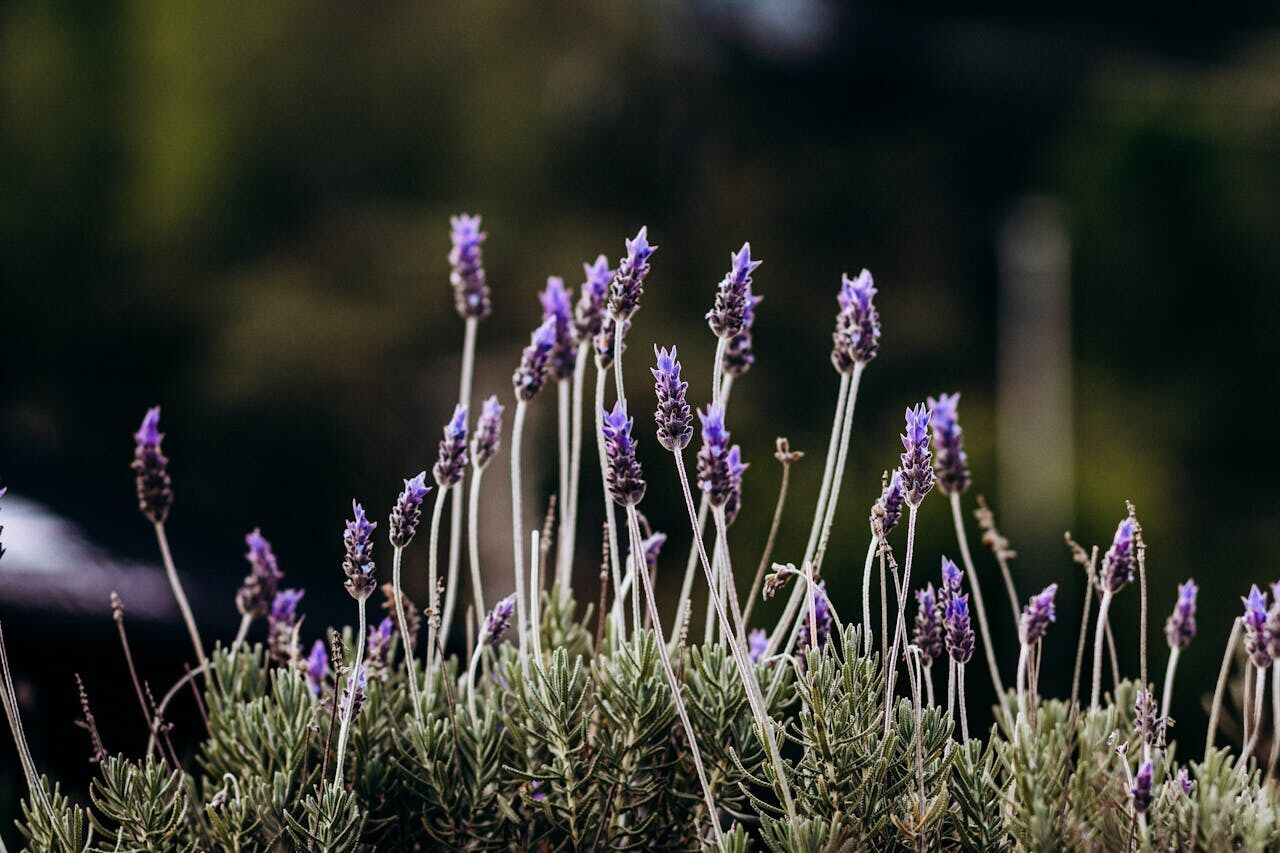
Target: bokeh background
[[240, 211]]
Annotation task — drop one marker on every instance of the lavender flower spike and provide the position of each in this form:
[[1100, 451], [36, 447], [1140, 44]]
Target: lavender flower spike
[[886, 512], [651, 547], [558, 307], [1118, 563], [1038, 614], [739, 353], [407, 512], [317, 667], [357, 564], [727, 318], [626, 483], [1255, 628], [254, 597], [949, 461], [959, 631], [535, 362], [628, 282], [588, 314], [498, 620], [151, 468], [856, 339], [470, 293], [822, 617], [735, 466], [487, 438], [451, 462], [952, 578], [1180, 627], [282, 619], [1141, 791], [720, 467], [917, 473], [757, 644], [673, 417], [928, 631]]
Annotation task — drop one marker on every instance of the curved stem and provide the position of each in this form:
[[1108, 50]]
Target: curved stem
[[243, 631], [610, 513], [563, 504], [433, 579], [1168, 684], [473, 545], [403, 624], [866, 592], [717, 373], [181, 597], [517, 530], [1098, 638], [471, 678], [1221, 688], [535, 599], [569, 540], [349, 706], [912, 511], [1259, 690], [1080, 641], [846, 430], [767, 555], [963, 539]]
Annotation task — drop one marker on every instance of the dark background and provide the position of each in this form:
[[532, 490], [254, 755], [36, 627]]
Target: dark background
[[239, 210]]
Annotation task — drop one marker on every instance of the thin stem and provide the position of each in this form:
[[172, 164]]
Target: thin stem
[[1103, 606], [1259, 690], [866, 591], [473, 546], [767, 556], [1142, 612], [884, 600], [349, 707], [9, 698], [964, 713], [717, 372], [610, 513], [471, 678], [1080, 641], [833, 498], [1168, 683], [691, 565], [912, 511], [637, 548], [951, 687], [1275, 720], [517, 530], [455, 518], [963, 539], [569, 540], [726, 575], [117, 612], [243, 631], [1114, 658], [564, 390], [403, 624], [1220, 690], [181, 597], [535, 599], [1022, 683], [928, 682], [713, 593], [455, 544], [433, 569]]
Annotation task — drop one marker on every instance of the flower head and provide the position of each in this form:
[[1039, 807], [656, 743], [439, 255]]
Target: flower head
[[735, 466], [917, 473], [470, 293], [557, 306], [451, 462], [535, 361], [317, 667], [625, 479], [151, 469], [378, 643], [588, 314], [949, 460], [651, 547], [360, 684], [886, 512], [1146, 717], [739, 352], [928, 633], [407, 512], [1255, 628], [720, 466], [1038, 614], [488, 435], [1180, 627], [259, 586], [1184, 781], [856, 339], [1141, 791], [726, 318], [606, 346], [628, 282], [822, 616], [1118, 563], [757, 644], [952, 578], [498, 620], [959, 631], [673, 417], [282, 622], [357, 564]]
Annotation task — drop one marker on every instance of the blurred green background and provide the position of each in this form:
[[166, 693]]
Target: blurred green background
[[239, 210]]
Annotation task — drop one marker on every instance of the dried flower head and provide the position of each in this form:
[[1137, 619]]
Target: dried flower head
[[407, 512], [1038, 614], [357, 563], [487, 438], [588, 314], [1146, 718], [151, 469], [959, 631], [950, 462], [625, 480], [673, 416], [928, 633], [886, 512], [726, 317], [917, 473], [557, 306], [857, 335], [470, 293], [1255, 628], [1118, 562], [1180, 627], [628, 282], [451, 461], [254, 597], [535, 362]]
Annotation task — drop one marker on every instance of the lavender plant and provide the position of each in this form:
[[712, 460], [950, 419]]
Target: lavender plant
[[600, 727]]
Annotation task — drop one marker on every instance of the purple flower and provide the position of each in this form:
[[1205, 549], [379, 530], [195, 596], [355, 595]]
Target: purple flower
[[1180, 627], [557, 306], [1142, 787], [259, 586], [470, 293], [1146, 717], [535, 362], [488, 435], [720, 466], [949, 459], [498, 620], [739, 353], [625, 479], [886, 512], [928, 626], [282, 620], [726, 317], [284, 606], [588, 315], [361, 684], [407, 512], [651, 547], [917, 473], [151, 469], [673, 417], [821, 615], [357, 540], [959, 632], [857, 335], [1118, 563], [317, 667], [378, 643], [451, 462], [1184, 781], [1255, 628], [628, 282], [1037, 615], [606, 347], [952, 577], [733, 503], [757, 644]]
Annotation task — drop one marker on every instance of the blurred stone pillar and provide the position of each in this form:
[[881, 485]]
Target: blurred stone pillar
[[1034, 406]]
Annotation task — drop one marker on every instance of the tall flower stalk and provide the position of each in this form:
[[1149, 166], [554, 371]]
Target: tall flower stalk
[[1258, 647], [1116, 572], [357, 565], [1179, 631], [959, 640], [401, 527], [485, 443], [258, 588], [450, 468], [557, 306], [1032, 626]]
